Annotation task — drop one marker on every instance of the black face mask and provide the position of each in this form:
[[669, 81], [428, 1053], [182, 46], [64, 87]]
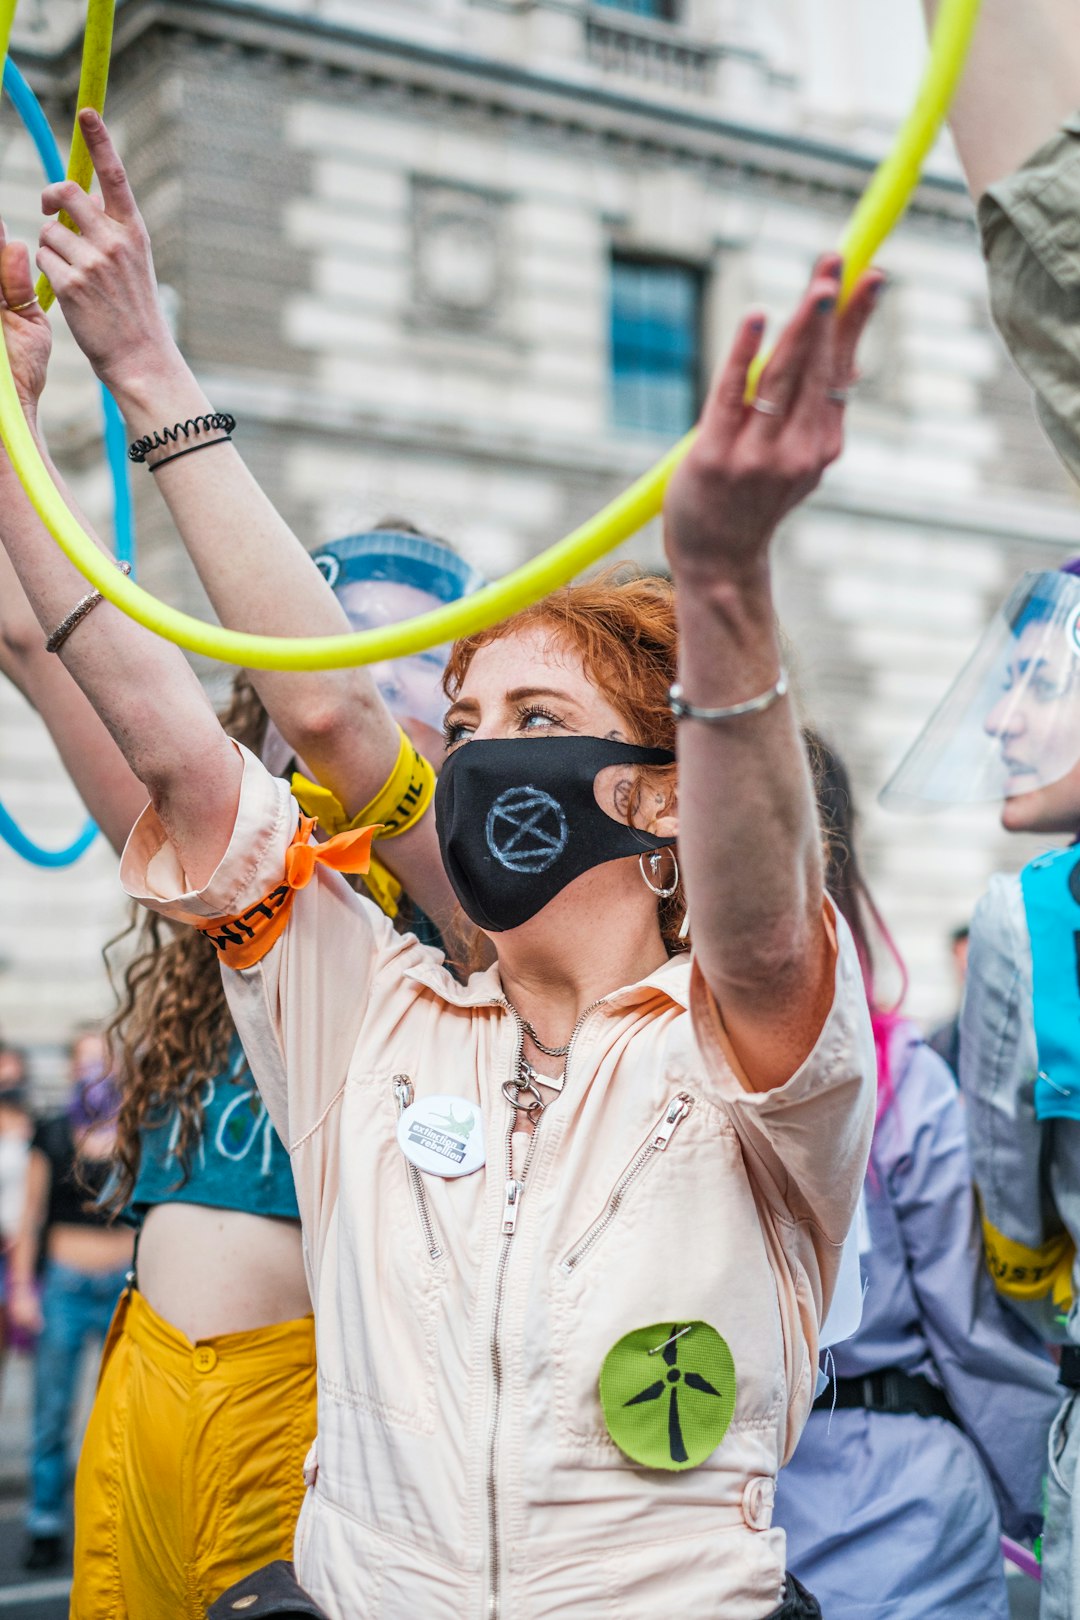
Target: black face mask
[[518, 820]]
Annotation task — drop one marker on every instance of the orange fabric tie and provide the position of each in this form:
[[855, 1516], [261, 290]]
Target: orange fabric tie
[[243, 940]]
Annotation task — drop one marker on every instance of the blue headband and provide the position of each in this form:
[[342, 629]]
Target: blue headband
[[401, 559]]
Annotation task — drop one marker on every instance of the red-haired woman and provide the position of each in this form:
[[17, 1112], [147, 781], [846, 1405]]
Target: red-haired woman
[[571, 1224]]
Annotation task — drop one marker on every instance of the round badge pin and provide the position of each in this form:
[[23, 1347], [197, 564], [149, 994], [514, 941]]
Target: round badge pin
[[443, 1136], [668, 1394]]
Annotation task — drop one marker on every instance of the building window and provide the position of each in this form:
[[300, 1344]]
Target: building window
[[659, 10], [655, 344]]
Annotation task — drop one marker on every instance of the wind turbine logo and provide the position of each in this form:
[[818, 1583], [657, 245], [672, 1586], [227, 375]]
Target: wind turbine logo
[[695, 1372]]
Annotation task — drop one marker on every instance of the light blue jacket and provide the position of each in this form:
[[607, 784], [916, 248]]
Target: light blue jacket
[[895, 1515], [1027, 1170]]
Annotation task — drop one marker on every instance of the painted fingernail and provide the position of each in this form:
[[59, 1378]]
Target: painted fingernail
[[835, 269], [757, 323], [825, 304], [877, 289]]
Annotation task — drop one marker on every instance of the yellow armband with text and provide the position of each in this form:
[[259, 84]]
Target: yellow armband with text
[[398, 805], [1023, 1273]]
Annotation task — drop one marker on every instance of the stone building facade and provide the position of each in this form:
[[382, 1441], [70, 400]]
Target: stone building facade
[[391, 230]]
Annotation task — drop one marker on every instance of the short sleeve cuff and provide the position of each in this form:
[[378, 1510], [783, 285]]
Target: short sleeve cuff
[[838, 1054], [1042, 201], [266, 819]]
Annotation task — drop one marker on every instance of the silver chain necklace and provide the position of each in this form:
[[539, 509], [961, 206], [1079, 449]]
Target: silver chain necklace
[[524, 1092], [548, 1051]]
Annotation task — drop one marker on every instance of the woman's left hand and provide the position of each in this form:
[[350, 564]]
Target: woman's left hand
[[27, 333], [752, 463], [103, 273]]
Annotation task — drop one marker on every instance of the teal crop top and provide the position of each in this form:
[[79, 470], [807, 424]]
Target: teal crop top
[[238, 1162]]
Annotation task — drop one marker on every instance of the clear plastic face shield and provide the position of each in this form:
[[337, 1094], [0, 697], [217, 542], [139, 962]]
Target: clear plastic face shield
[[382, 577], [1010, 722]]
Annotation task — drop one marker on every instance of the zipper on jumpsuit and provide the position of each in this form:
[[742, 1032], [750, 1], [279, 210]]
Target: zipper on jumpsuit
[[403, 1092], [515, 1187], [658, 1140]]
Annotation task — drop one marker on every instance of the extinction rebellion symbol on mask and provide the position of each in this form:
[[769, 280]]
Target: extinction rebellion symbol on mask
[[526, 829]]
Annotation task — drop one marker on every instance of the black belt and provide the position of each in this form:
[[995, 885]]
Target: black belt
[[891, 1390], [1069, 1371]]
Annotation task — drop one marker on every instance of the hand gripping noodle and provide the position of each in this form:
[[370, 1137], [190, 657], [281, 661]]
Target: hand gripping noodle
[[1010, 722], [37, 127]]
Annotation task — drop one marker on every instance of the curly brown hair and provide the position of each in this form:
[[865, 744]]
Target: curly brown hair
[[622, 625], [173, 1031]]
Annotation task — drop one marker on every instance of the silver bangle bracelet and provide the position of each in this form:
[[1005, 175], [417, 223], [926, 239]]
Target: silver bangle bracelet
[[85, 605], [689, 711]]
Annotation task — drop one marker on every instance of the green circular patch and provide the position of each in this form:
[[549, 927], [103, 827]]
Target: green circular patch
[[668, 1394]]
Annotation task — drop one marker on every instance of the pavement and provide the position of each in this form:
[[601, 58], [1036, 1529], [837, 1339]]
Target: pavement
[[22, 1596]]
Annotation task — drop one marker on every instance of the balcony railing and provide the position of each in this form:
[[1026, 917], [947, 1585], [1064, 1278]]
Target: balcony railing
[[657, 52]]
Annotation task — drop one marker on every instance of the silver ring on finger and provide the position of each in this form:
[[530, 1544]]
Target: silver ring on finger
[[766, 407], [839, 396]]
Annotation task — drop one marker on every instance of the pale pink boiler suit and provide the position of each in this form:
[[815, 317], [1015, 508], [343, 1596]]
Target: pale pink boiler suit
[[464, 1468]]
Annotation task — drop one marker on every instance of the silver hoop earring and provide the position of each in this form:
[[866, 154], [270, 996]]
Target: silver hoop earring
[[652, 882]]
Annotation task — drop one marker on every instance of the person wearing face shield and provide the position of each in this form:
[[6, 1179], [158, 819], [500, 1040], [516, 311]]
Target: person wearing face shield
[[1009, 731], [930, 1437], [396, 573], [1016, 125]]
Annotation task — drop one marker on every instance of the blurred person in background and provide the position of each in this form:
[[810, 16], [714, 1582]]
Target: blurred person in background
[[15, 1131], [64, 1238], [945, 1039], [932, 1434]]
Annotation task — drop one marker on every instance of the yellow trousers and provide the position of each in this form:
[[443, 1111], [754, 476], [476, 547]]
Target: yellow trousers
[[191, 1473]]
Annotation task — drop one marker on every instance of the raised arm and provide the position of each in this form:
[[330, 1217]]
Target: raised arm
[[1022, 80], [256, 572], [105, 782], [142, 688], [749, 839]]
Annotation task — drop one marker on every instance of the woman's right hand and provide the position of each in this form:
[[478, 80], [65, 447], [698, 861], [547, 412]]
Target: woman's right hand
[[24, 1309], [27, 333], [103, 273]]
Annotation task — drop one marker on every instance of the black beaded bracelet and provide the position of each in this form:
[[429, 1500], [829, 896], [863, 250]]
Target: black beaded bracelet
[[219, 421]]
